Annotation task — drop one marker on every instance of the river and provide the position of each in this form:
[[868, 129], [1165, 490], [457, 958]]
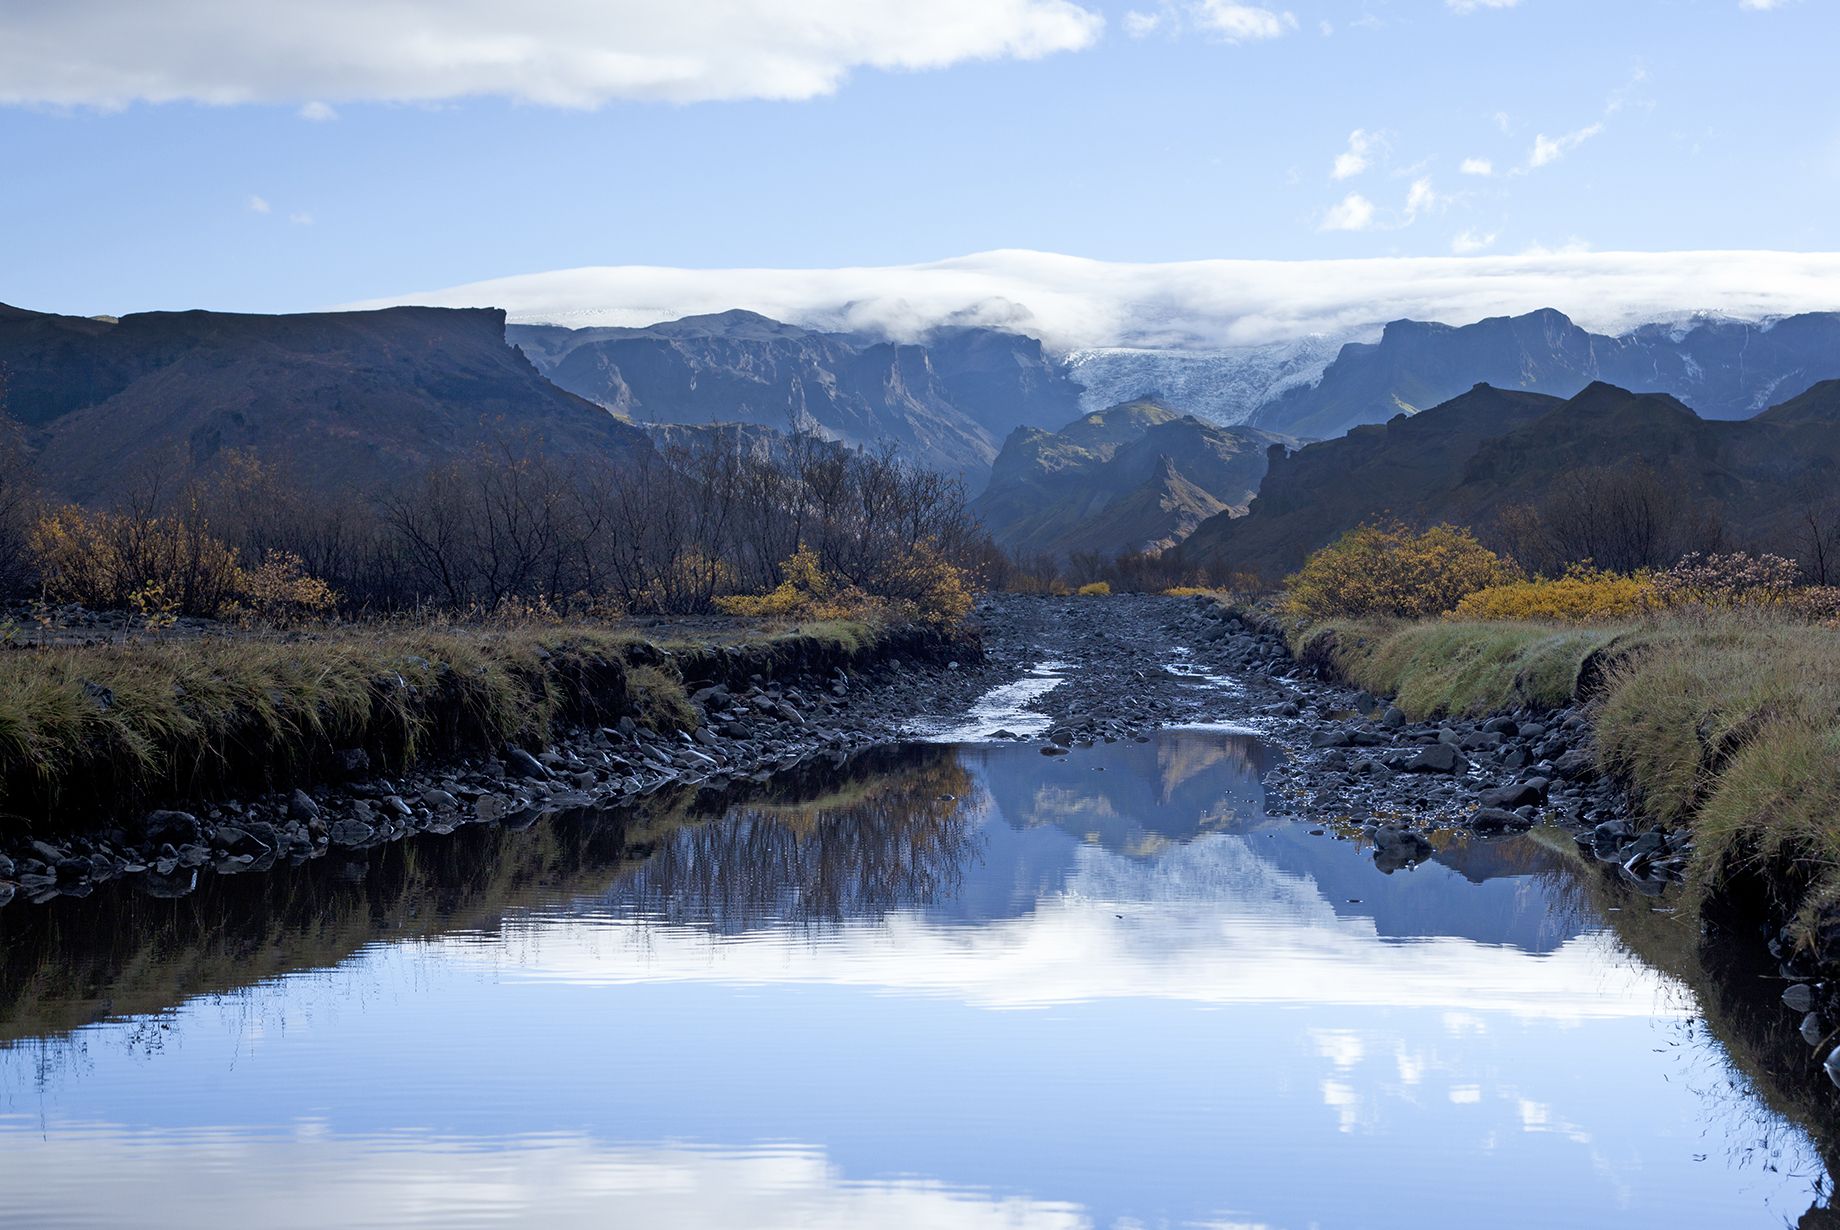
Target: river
[[956, 985]]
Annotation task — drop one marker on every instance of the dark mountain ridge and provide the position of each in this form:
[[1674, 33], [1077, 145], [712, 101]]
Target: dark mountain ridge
[[1476, 456], [347, 399]]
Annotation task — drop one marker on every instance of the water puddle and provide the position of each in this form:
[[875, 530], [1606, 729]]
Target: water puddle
[[1003, 708], [958, 986]]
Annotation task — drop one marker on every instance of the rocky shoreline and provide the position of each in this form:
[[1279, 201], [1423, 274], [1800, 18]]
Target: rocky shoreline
[[747, 729]]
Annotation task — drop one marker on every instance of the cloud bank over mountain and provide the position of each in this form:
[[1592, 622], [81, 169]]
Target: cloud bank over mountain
[[1073, 303]]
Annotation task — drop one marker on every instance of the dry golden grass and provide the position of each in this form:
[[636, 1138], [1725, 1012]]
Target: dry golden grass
[[88, 730]]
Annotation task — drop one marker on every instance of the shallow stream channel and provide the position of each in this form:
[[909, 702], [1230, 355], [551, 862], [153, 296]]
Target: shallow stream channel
[[953, 983]]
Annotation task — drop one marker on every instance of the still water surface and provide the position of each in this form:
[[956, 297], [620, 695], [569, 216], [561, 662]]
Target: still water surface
[[951, 986]]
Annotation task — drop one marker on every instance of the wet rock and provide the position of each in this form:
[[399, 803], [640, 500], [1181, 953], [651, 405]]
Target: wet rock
[[1813, 1029], [6, 867], [1498, 820], [1799, 998], [238, 840], [520, 763], [1438, 758], [6, 892], [1520, 794], [1613, 833], [350, 833], [1394, 718], [1576, 765], [352, 762], [1395, 848], [302, 807]]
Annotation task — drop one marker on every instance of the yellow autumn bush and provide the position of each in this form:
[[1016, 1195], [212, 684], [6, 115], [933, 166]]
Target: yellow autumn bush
[[1095, 589], [1388, 570], [920, 584], [1582, 595], [163, 567], [113, 560]]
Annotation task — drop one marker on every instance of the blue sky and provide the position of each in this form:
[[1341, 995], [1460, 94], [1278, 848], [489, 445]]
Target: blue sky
[[300, 168]]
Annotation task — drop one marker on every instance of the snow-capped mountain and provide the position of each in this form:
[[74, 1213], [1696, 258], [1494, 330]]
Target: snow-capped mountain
[[1221, 386]]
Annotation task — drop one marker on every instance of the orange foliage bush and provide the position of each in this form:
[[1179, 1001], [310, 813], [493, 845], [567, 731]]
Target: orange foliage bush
[[1583, 594], [1388, 570]]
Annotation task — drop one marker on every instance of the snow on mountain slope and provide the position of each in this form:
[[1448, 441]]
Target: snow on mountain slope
[[1219, 386]]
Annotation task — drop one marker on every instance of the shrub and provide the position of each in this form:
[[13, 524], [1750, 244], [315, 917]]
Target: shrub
[[1583, 594], [806, 592], [925, 585], [155, 564], [1389, 570], [1726, 581], [919, 583], [279, 591], [1096, 589]]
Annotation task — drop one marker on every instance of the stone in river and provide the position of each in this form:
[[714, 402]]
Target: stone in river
[[1799, 998], [1438, 758], [350, 833]]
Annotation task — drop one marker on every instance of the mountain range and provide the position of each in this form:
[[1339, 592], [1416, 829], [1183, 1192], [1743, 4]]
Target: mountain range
[[945, 403], [1472, 459], [1136, 477], [1725, 369], [347, 399]]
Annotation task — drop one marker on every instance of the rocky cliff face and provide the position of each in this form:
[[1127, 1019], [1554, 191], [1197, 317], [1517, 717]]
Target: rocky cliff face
[[346, 399], [1136, 477], [1724, 369], [945, 404]]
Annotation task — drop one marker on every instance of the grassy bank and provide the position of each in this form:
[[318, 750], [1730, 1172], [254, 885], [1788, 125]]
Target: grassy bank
[[1728, 724], [88, 731]]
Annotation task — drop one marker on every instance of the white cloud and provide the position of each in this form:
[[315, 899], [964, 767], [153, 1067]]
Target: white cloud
[[1421, 199], [1139, 24], [1362, 146], [318, 112], [1470, 242], [1353, 212], [1242, 23], [258, 205], [1477, 166], [1762, 6], [1550, 149], [1470, 6], [569, 53], [301, 219], [1073, 303], [558, 1180]]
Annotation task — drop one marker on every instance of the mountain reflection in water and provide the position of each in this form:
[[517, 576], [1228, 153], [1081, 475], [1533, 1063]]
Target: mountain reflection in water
[[938, 986]]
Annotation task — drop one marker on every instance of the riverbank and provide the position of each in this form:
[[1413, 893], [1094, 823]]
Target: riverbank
[[153, 760], [1721, 734]]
